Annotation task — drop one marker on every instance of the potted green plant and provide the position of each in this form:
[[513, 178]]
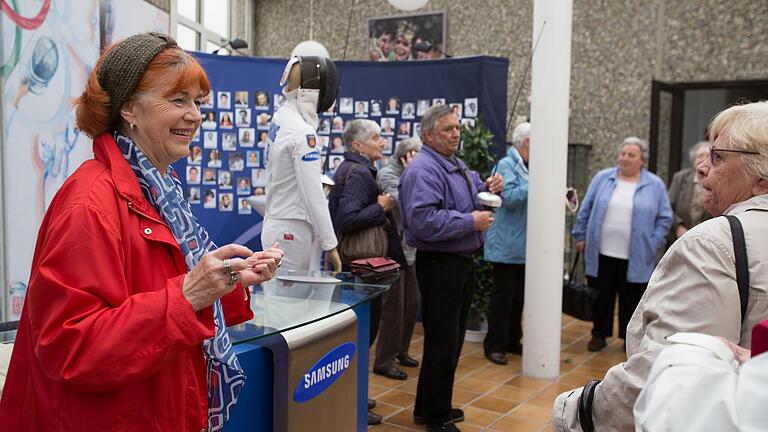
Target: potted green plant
[[476, 153]]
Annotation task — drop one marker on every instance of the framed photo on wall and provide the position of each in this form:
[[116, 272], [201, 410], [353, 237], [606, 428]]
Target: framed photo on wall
[[407, 37]]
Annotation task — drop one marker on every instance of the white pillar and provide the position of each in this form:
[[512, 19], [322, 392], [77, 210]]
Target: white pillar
[[550, 89]]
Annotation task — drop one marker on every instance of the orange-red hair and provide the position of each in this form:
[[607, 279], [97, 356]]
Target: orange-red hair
[[93, 106]]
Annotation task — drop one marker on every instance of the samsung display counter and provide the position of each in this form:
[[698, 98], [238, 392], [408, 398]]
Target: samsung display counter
[[305, 353]]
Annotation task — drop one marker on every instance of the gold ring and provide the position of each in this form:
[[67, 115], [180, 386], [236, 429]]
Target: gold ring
[[227, 266], [233, 277]]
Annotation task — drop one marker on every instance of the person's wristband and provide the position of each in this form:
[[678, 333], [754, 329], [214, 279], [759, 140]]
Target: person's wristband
[[585, 406]]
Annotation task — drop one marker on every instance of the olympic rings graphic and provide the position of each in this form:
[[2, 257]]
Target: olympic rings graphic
[[26, 23]]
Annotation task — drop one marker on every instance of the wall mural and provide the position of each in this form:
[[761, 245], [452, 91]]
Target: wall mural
[[48, 50]]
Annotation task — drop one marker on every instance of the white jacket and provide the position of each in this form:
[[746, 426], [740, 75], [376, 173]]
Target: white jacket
[[294, 189], [693, 289], [693, 387]]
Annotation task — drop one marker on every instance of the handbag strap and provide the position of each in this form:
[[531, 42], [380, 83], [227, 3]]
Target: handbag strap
[[742, 264], [573, 266], [349, 171], [586, 398]]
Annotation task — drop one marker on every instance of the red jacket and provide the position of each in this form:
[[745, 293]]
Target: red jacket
[[107, 340]]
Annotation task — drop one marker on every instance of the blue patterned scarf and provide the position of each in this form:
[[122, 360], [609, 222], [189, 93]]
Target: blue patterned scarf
[[225, 376]]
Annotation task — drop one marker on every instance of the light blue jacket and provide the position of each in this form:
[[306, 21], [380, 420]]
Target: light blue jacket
[[651, 219], [505, 240]]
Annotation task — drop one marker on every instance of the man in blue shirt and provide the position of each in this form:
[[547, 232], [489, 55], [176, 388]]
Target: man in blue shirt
[[442, 220], [505, 248]]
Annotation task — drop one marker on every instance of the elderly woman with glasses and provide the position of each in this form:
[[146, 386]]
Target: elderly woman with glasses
[[694, 287], [623, 221]]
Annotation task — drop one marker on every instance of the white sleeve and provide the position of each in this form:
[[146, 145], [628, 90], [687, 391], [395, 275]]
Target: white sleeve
[[306, 162], [691, 389]]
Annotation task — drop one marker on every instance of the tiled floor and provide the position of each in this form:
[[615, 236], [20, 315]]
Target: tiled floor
[[498, 398]]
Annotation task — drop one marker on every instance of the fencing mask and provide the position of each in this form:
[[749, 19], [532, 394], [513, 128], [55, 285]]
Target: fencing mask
[[315, 78]]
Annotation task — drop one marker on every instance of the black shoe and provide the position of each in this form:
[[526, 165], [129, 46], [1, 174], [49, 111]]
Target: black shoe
[[515, 349], [373, 418], [497, 358], [596, 344], [371, 404], [457, 415], [447, 427], [391, 372], [407, 360]]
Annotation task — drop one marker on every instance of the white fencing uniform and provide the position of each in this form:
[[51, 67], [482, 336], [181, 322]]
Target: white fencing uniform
[[297, 214]]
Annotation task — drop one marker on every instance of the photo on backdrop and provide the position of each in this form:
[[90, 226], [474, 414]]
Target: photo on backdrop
[[408, 37]]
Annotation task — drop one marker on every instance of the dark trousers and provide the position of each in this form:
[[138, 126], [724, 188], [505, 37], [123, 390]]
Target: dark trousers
[[446, 282], [398, 317], [375, 319], [505, 309], [612, 278]]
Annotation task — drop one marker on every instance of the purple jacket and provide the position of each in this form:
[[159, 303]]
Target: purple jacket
[[436, 204]]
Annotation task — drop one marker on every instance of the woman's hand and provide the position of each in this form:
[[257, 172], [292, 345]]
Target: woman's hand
[[271, 258], [580, 245], [217, 272], [386, 202], [495, 183]]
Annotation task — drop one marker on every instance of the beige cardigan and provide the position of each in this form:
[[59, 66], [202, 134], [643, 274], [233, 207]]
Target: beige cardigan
[[693, 289]]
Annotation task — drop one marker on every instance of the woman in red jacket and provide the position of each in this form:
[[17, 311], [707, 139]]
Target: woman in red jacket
[[124, 325]]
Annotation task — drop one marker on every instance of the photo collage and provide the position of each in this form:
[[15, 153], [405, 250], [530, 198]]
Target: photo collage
[[225, 164], [399, 119]]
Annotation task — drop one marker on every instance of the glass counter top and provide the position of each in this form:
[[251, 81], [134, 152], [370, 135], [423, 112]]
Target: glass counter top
[[296, 298]]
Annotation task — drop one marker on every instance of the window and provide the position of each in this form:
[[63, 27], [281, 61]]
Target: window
[[207, 25]]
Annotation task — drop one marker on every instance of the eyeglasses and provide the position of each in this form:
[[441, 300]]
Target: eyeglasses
[[714, 159]]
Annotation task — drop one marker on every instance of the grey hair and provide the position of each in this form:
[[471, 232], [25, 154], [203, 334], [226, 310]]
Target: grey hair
[[640, 143], [522, 131], [359, 130], [696, 148], [405, 146], [432, 116]]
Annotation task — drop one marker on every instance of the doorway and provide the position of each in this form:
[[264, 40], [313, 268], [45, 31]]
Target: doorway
[[680, 113]]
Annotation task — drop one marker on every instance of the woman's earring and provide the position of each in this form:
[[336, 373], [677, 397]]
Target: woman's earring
[[132, 126]]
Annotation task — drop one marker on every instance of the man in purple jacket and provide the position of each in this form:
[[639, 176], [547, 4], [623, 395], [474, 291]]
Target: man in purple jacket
[[442, 220]]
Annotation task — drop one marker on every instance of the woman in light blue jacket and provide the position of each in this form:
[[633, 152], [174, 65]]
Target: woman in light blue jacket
[[623, 221], [505, 248]]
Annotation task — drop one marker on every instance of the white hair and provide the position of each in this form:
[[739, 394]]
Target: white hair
[[521, 132], [745, 128]]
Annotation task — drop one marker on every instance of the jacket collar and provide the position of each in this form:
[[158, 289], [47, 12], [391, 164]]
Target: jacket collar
[[358, 158], [758, 202], [441, 160], [517, 160], [106, 151], [645, 177]]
